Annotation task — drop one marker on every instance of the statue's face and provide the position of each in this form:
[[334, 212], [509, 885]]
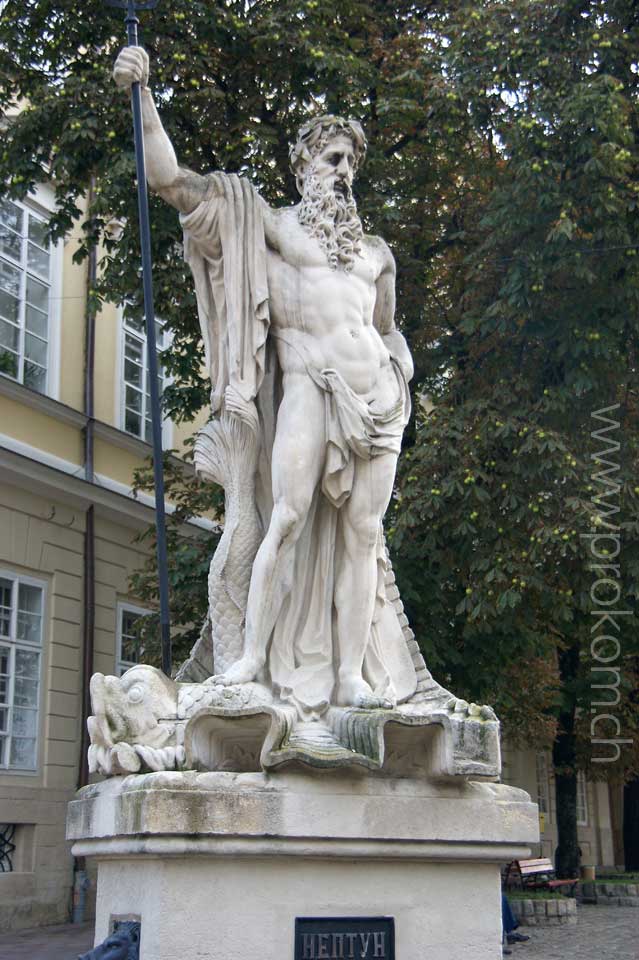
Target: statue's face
[[334, 165]]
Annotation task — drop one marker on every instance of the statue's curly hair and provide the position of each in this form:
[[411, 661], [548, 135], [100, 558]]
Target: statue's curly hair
[[313, 137]]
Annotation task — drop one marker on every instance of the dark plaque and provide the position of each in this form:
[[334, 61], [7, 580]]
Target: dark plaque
[[344, 938]]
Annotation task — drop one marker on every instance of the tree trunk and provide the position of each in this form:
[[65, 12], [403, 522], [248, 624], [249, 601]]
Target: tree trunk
[[567, 854], [631, 824]]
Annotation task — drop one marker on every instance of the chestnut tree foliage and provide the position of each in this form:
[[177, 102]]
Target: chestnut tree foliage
[[503, 172]]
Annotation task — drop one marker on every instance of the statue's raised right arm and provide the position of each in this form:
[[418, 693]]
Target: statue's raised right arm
[[180, 187]]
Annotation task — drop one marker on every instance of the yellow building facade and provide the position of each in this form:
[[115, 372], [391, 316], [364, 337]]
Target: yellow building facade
[[68, 523]]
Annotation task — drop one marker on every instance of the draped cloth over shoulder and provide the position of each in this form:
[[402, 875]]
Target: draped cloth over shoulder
[[226, 250], [224, 246]]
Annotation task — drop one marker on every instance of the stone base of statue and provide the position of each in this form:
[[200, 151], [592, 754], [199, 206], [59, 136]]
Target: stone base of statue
[[221, 865]]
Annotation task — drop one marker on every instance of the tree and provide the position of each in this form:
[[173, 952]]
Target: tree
[[503, 171], [519, 466]]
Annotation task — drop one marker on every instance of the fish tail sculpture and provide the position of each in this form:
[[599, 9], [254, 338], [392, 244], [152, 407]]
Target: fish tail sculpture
[[226, 451]]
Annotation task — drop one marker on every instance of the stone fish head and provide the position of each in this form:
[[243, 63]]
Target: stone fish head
[[129, 708]]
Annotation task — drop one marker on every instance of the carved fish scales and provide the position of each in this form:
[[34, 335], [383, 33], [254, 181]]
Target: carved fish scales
[[226, 451]]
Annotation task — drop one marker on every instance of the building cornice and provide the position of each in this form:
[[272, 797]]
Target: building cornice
[[39, 401], [53, 479], [43, 473], [118, 438], [76, 418]]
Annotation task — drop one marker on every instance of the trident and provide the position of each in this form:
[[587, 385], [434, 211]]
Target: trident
[[131, 21]]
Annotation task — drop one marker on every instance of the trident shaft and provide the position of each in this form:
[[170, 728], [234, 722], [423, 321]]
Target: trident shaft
[[131, 21]]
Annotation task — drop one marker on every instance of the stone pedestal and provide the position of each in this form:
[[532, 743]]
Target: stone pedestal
[[219, 865]]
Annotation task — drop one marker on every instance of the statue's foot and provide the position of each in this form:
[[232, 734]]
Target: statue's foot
[[462, 710], [355, 692], [243, 670]]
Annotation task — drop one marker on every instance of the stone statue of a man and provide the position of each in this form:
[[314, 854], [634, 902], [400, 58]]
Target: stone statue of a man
[[328, 403]]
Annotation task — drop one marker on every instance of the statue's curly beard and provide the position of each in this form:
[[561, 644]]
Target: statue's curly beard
[[331, 217]]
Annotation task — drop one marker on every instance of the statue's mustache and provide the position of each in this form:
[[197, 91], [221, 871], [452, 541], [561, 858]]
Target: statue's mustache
[[335, 196]]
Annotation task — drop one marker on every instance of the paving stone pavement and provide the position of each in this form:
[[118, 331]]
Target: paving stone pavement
[[62, 942], [601, 933]]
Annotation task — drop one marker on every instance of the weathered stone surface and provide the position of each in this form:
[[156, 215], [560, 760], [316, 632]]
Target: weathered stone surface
[[301, 806], [244, 728], [244, 854]]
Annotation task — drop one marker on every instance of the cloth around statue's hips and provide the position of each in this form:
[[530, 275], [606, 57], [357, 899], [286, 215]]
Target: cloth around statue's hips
[[226, 249]]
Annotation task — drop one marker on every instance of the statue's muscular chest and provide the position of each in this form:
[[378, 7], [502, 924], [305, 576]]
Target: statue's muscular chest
[[305, 292]]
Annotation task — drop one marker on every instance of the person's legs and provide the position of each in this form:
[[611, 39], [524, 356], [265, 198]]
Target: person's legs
[[508, 919], [510, 923], [506, 916]]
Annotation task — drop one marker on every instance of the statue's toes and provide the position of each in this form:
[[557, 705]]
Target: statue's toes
[[455, 705], [461, 709], [372, 702], [218, 680]]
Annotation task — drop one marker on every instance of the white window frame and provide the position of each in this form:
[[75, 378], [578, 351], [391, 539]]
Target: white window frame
[[14, 644], [120, 391], [123, 606], [582, 799], [41, 201]]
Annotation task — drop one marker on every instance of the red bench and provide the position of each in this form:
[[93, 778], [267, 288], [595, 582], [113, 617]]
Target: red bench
[[536, 874]]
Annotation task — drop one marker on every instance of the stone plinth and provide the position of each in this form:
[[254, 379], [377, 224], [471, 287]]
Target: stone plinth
[[219, 865]]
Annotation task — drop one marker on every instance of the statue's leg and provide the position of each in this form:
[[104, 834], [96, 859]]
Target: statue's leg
[[356, 585], [297, 462]]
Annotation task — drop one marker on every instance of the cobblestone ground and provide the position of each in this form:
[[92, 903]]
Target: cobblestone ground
[[63, 942], [601, 933]]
